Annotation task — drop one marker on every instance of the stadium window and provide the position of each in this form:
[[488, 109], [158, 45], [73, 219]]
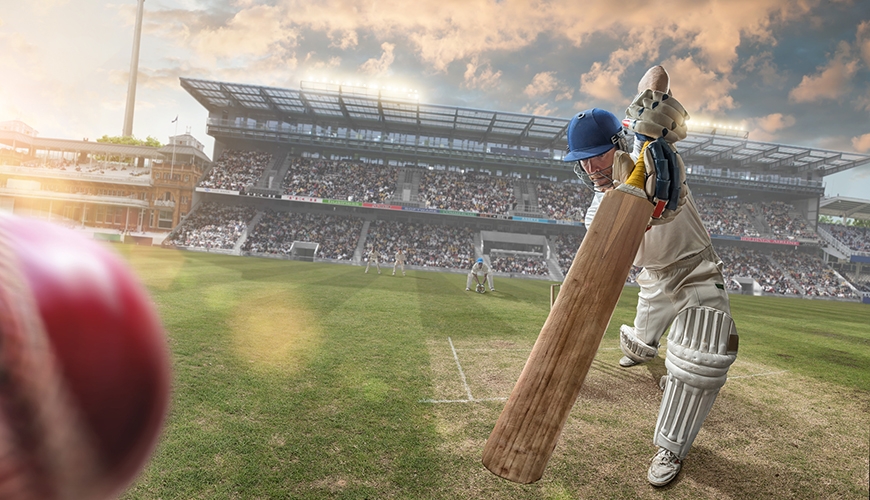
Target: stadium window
[[164, 219], [186, 178], [101, 214]]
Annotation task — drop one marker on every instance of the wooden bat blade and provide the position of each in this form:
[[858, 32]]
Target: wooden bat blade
[[526, 433]]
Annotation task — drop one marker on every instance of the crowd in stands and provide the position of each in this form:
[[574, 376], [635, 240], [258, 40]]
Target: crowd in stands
[[424, 245], [751, 263], [276, 231], [782, 223], [469, 192], [564, 200], [782, 272], [811, 274], [236, 170], [726, 217], [566, 248], [856, 238], [340, 180], [515, 263], [213, 225]]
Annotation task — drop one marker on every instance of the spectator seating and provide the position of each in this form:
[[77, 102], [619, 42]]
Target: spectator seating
[[276, 231], [564, 200], [236, 170], [726, 217], [782, 223], [856, 238], [425, 245], [470, 192], [213, 225], [516, 263], [340, 180]]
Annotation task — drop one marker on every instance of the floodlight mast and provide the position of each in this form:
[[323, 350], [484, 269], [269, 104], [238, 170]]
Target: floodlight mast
[[134, 70]]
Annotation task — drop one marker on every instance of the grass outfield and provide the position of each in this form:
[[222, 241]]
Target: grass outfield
[[300, 380]]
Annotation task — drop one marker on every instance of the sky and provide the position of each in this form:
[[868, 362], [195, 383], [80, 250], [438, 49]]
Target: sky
[[790, 72]]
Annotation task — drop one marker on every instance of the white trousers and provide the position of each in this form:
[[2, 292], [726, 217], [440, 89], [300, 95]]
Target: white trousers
[[693, 281]]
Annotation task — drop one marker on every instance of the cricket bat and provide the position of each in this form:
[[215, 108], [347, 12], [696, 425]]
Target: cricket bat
[[528, 429], [526, 433]]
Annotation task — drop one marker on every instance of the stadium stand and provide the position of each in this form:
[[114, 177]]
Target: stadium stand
[[471, 192], [783, 222], [275, 233], [425, 245], [516, 263], [213, 226], [726, 217], [236, 170], [855, 238], [563, 200], [340, 180]]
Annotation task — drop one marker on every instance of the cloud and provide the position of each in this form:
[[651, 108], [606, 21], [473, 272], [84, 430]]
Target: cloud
[[345, 40], [546, 83], [763, 65], [861, 143], [379, 67], [487, 79], [831, 81], [538, 109], [699, 90], [775, 122], [256, 32]]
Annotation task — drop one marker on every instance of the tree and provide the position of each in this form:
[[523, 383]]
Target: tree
[[131, 140]]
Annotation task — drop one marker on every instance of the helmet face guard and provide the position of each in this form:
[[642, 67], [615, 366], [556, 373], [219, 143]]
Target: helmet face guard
[[586, 178]]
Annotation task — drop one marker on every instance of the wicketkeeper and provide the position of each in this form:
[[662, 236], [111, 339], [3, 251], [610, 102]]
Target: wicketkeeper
[[479, 269], [681, 284]]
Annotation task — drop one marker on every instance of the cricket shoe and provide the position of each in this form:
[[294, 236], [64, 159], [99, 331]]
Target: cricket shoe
[[468, 289], [626, 362], [663, 468]]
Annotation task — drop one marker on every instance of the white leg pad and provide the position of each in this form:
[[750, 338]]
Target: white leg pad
[[634, 347], [702, 345]]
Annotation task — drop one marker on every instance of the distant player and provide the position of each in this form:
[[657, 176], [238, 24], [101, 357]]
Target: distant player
[[374, 257], [400, 261], [479, 268]]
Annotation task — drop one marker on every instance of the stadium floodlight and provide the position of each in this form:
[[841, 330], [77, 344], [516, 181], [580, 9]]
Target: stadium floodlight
[[710, 127]]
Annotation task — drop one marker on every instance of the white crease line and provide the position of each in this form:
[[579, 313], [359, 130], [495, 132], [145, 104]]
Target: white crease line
[[461, 373], [758, 375], [461, 400]]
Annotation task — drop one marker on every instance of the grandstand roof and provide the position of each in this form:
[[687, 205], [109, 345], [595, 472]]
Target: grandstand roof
[[354, 107], [839, 206], [11, 138]]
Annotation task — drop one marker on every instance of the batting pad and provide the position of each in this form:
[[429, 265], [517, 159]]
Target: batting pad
[[702, 345]]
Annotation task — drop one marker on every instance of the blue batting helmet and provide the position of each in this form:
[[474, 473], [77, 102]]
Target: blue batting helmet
[[479, 259], [591, 133]]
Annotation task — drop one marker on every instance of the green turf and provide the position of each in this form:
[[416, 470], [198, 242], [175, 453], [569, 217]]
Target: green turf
[[302, 380]]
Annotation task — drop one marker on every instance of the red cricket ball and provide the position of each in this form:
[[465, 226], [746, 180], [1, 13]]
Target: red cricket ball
[[109, 356]]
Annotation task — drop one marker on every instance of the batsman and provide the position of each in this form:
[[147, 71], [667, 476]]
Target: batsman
[[643, 212], [681, 284]]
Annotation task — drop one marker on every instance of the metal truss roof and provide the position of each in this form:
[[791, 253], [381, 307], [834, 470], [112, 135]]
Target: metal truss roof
[[838, 206], [359, 108]]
